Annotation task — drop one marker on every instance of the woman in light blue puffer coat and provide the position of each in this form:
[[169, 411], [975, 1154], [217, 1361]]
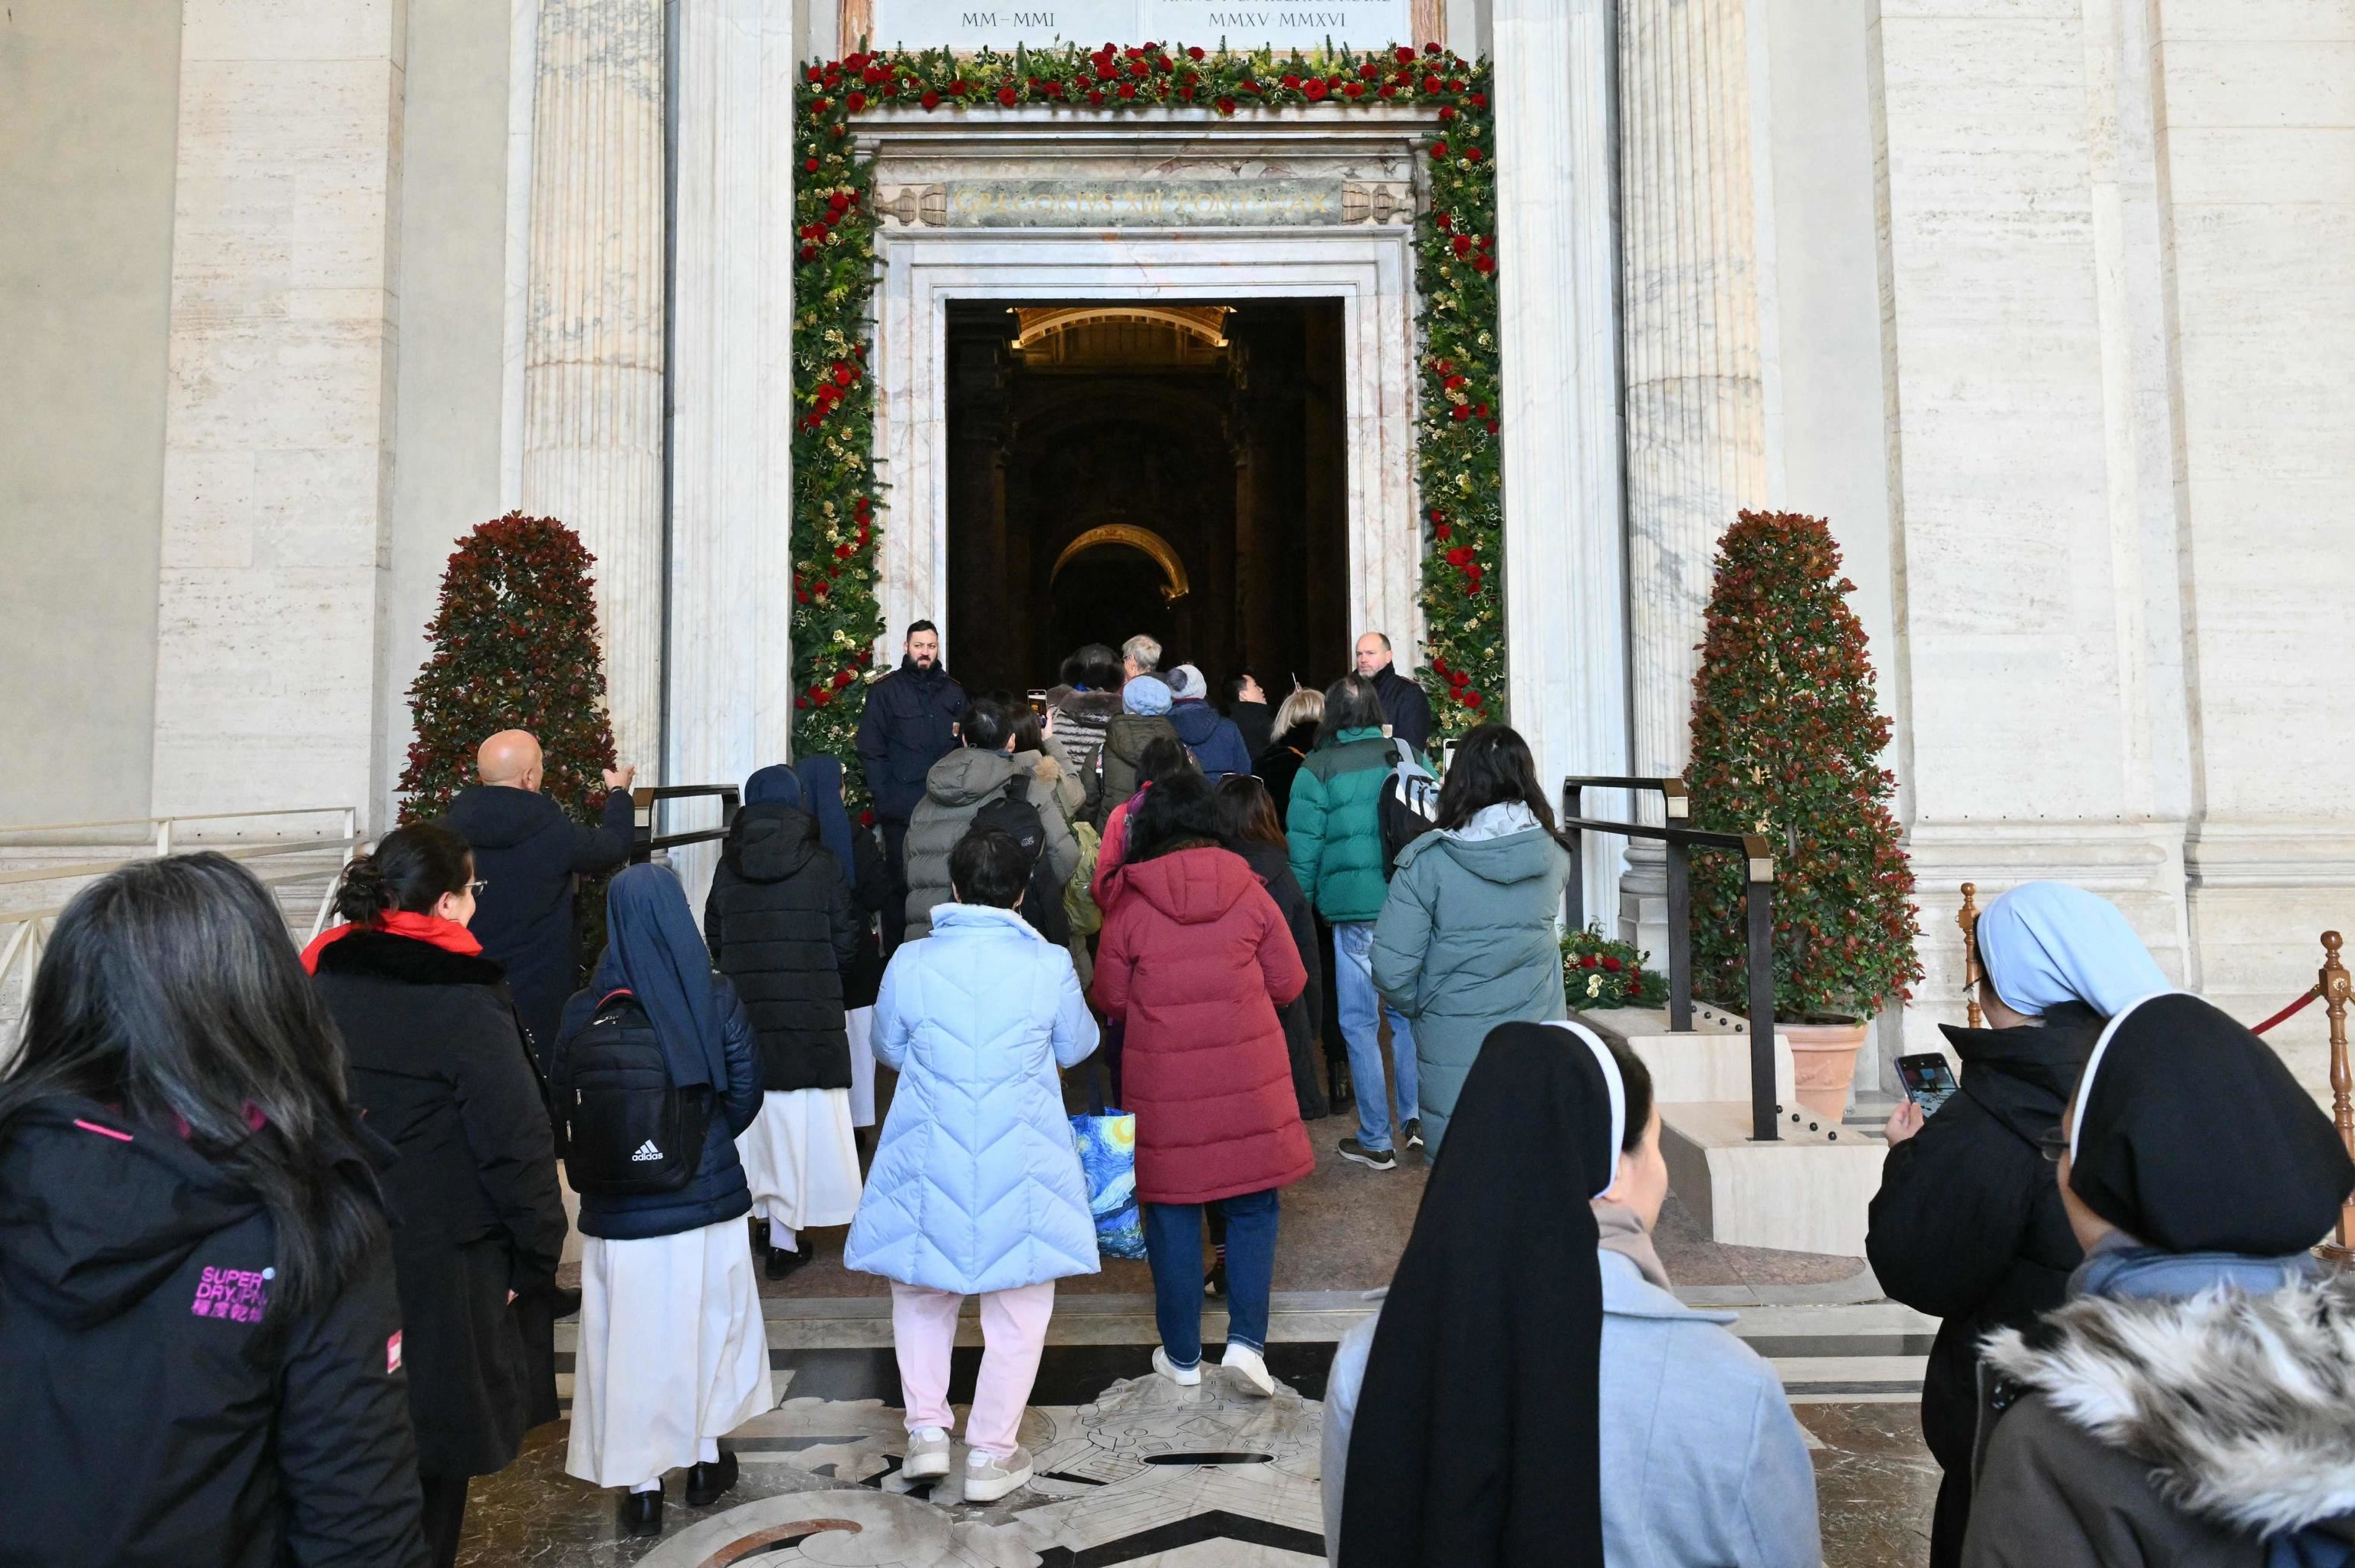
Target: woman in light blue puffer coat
[[977, 1187]]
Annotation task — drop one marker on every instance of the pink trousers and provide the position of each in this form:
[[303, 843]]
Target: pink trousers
[[1012, 1332]]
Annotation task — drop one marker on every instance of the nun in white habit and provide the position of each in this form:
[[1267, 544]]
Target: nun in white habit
[[674, 1354]]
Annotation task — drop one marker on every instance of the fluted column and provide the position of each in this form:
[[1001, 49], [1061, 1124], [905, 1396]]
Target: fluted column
[[594, 344], [1563, 606], [1696, 406]]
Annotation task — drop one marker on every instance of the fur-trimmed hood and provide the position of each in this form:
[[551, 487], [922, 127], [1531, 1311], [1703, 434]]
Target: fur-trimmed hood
[[2241, 1406]]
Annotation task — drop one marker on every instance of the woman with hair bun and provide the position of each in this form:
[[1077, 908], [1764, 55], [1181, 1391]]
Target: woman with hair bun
[[438, 1065]]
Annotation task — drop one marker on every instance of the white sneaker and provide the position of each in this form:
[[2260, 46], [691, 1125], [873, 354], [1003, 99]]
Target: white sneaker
[[1251, 1367], [1184, 1377], [987, 1479], [928, 1454]]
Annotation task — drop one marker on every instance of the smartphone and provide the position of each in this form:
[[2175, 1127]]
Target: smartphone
[[1929, 1081], [1038, 703]]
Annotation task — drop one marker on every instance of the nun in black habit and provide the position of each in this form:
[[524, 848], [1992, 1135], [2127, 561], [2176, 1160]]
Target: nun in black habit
[[2194, 1401]]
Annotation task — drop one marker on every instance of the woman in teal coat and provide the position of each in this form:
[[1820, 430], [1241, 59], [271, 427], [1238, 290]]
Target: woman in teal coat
[[1467, 936]]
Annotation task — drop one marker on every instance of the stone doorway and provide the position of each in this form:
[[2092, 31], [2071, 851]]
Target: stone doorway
[[1118, 467]]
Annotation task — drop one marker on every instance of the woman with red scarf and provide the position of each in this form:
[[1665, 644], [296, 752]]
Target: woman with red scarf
[[437, 1065]]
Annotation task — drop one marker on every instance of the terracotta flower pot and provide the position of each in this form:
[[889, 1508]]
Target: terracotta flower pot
[[1823, 1063]]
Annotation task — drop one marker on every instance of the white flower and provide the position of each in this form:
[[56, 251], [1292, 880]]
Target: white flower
[[1594, 985]]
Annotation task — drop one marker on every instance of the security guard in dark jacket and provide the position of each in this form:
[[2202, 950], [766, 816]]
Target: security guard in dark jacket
[[909, 723]]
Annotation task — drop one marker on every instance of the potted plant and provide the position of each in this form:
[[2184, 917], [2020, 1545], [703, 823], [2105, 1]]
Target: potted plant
[[1786, 742]]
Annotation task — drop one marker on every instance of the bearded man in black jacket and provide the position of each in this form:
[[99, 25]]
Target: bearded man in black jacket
[[909, 723]]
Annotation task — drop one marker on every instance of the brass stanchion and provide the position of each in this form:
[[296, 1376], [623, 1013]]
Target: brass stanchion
[[1968, 917], [2335, 985]]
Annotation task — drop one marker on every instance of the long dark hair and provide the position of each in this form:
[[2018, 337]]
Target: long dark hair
[[1165, 757], [1247, 811], [1492, 767], [410, 868], [1178, 814], [170, 990]]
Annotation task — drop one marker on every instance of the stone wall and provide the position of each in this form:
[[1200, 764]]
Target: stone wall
[[88, 96]]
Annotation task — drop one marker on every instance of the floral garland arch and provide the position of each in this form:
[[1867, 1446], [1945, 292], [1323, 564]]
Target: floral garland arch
[[836, 617]]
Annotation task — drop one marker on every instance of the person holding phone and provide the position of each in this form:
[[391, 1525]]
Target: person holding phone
[[1967, 1226]]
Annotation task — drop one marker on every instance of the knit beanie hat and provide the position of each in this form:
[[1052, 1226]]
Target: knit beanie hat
[[1144, 696], [1187, 684]]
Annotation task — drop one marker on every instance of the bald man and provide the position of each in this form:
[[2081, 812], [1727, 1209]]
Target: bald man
[[1403, 700], [526, 853]]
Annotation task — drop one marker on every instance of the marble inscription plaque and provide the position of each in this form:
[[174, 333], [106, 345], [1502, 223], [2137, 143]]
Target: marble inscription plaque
[[1143, 203], [971, 24]]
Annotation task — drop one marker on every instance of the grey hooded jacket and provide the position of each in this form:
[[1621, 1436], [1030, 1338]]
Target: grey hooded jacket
[[956, 791]]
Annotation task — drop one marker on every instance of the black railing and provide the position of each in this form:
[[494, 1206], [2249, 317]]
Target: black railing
[[1680, 842], [642, 838]]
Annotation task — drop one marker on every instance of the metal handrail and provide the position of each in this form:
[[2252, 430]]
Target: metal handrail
[[1758, 854], [643, 841]]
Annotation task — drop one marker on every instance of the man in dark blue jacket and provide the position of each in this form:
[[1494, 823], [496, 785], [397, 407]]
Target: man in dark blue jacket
[[1217, 745], [909, 724], [526, 853], [1405, 703]]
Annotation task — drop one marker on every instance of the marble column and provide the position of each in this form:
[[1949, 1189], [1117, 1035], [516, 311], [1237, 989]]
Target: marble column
[[593, 454], [730, 653], [1696, 405], [1564, 601]]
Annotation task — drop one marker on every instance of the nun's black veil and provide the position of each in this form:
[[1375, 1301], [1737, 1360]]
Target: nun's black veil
[[1477, 1438], [2192, 1135]]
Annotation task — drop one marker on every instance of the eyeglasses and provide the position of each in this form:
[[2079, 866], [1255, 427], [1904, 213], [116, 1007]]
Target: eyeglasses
[[2054, 1145], [477, 888]]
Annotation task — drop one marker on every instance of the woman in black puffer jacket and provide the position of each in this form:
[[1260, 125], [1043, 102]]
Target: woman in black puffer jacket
[[780, 926], [438, 1065], [1248, 819]]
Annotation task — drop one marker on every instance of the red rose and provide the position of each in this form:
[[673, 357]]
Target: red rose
[[1139, 68], [1447, 113], [931, 99], [1106, 70], [1006, 95], [822, 588], [1052, 89], [1611, 963], [1431, 84], [809, 252], [1316, 89], [867, 819], [958, 88], [1481, 409], [1128, 90], [1437, 515], [1439, 152], [1355, 89], [1484, 264], [1438, 664], [1444, 531], [1586, 962], [1460, 557], [821, 696], [1462, 245], [1480, 100], [1472, 699], [809, 166], [1460, 413], [1459, 678], [844, 677], [1290, 80], [1096, 98], [1471, 154], [843, 552], [1194, 53], [838, 200], [1454, 84], [842, 374], [1389, 91], [833, 79], [855, 103], [1369, 71], [814, 74], [1186, 93], [1492, 427], [1431, 48], [1445, 220], [1225, 106], [1247, 85], [801, 702], [1453, 382], [801, 596]]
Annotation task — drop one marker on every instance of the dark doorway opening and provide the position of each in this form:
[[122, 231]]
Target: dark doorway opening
[[1118, 467]]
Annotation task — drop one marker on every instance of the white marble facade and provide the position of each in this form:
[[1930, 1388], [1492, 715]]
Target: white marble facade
[[2047, 305]]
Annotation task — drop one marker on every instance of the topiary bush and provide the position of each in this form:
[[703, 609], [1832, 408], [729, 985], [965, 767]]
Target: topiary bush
[[1787, 734]]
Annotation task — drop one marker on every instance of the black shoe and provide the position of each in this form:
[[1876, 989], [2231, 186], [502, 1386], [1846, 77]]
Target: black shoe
[[783, 1263], [1412, 1128], [641, 1513], [562, 1302], [1215, 1283], [708, 1483], [1372, 1159]]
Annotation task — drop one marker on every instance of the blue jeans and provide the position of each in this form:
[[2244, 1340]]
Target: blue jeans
[[1173, 1245], [1361, 1009]]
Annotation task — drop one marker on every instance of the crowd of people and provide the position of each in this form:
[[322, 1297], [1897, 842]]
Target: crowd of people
[[279, 1231]]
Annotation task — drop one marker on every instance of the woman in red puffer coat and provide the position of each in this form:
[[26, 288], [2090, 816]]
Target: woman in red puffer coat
[[1195, 965]]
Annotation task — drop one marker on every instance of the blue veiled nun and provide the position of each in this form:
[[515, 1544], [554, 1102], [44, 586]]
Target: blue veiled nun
[[673, 1353], [2046, 943], [780, 923]]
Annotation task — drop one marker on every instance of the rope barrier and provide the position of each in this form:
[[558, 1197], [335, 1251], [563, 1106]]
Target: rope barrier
[[2292, 1010]]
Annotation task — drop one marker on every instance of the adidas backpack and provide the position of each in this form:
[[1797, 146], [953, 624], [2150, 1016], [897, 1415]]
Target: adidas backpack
[[1042, 896], [626, 1129]]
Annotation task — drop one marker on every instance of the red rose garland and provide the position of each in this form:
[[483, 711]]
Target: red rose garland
[[836, 620]]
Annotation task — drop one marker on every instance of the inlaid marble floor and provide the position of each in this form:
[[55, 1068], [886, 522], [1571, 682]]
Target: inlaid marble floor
[[1133, 1470]]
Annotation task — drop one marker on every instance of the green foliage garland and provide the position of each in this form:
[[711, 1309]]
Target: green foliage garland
[[513, 647], [836, 619], [1786, 733], [1600, 973]]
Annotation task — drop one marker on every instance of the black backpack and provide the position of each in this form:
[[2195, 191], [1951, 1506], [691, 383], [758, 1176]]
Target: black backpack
[[1408, 807], [627, 1130], [1042, 896]]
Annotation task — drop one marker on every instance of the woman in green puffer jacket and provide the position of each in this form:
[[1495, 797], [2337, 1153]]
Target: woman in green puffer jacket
[[1467, 938]]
